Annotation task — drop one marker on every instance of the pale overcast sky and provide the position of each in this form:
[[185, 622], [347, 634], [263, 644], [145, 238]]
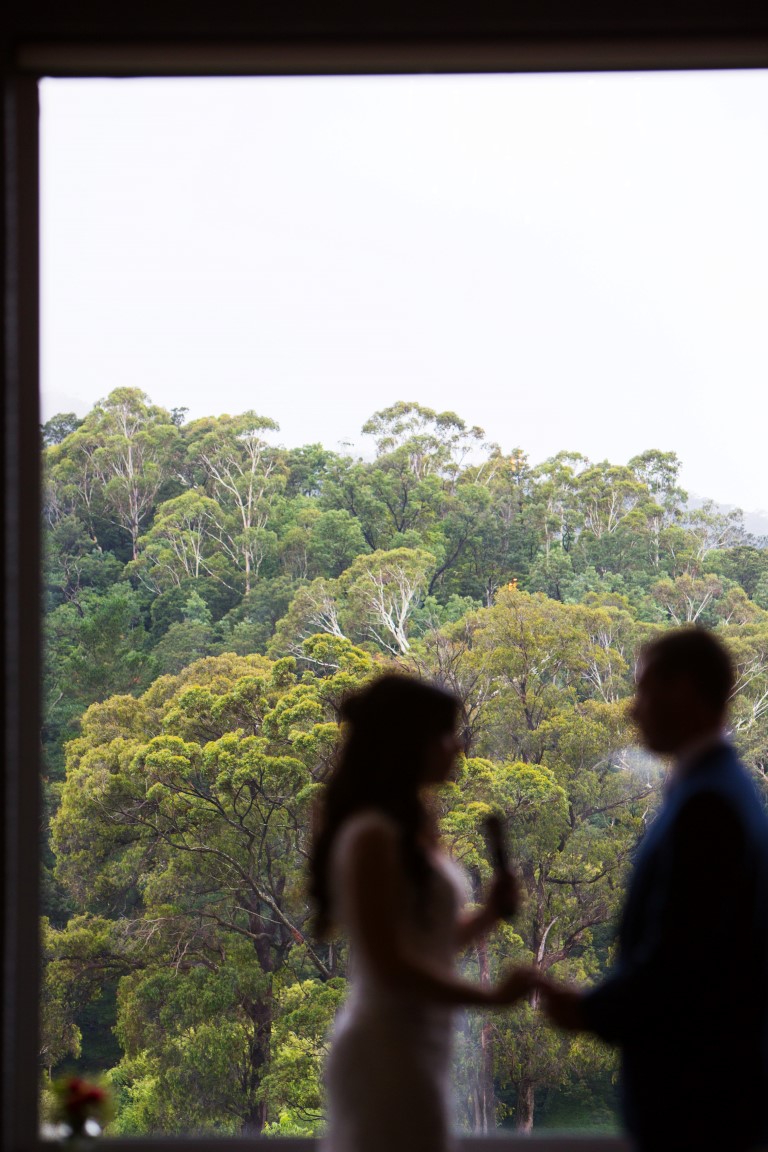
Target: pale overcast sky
[[573, 262]]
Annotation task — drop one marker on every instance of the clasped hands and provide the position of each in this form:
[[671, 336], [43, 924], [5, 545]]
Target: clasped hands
[[563, 1005]]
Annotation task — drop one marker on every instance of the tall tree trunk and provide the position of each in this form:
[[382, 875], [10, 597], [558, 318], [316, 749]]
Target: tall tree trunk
[[260, 1014], [247, 558], [525, 1102], [486, 1098]]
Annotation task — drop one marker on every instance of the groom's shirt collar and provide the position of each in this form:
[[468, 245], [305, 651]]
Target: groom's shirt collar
[[689, 756]]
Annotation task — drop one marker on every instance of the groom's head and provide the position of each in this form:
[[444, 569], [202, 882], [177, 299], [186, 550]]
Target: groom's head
[[684, 682]]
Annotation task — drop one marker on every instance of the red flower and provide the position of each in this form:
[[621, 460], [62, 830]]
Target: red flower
[[80, 1100]]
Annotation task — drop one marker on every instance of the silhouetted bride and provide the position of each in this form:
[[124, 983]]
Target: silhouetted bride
[[379, 873]]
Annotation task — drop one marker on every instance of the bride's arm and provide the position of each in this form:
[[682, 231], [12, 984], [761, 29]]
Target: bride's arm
[[371, 873]]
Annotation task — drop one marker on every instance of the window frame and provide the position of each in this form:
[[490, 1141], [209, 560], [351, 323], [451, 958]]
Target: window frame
[[20, 445]]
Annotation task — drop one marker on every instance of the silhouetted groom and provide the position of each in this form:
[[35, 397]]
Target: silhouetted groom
[[687, 1001]]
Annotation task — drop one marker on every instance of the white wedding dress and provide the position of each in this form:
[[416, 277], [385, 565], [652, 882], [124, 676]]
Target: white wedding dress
[[388, 1074]]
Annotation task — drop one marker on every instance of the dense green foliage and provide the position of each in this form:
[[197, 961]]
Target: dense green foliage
[[210, 598]]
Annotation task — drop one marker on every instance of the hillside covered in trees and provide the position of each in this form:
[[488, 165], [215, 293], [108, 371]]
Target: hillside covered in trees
[[210, 597]]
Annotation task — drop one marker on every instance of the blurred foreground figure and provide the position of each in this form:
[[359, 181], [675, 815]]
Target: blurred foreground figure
[[687, 1001], [378, 871]]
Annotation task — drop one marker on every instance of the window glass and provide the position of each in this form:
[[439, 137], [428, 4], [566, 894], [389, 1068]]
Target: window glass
[[457, 375]]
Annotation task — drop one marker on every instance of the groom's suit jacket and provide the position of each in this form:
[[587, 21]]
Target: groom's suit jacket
[[687, 1000]]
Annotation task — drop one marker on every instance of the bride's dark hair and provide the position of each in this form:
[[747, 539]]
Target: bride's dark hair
[[389, 726]]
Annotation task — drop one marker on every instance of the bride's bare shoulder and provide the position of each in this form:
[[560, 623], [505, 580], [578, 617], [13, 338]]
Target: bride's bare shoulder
[[369, 828]]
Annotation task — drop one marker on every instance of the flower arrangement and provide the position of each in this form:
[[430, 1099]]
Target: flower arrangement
[[76, 1101]]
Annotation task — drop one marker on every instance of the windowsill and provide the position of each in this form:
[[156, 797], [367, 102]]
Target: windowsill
[[545, 1142]]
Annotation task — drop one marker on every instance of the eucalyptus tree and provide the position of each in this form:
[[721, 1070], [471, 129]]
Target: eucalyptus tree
[[115, 464], [244, 475], [183, 828], [372, 602]]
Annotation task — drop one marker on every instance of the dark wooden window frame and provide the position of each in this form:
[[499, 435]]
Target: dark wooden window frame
[[159, 40]]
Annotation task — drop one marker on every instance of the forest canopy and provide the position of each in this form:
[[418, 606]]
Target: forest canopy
[[210, 597]]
